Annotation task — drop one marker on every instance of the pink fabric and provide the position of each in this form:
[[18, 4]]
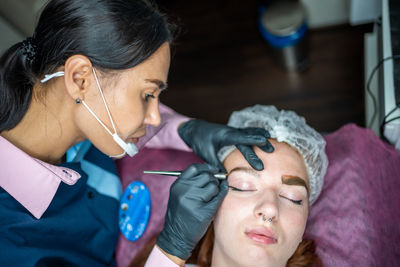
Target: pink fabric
[[157, 259], [131, 169], [168, 137], [355, 221], [32, 182]]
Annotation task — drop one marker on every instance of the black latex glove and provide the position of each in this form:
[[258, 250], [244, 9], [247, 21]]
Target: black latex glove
[[193, 201], [206, 139]]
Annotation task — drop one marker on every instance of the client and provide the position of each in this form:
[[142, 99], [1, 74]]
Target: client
[[262, 219]]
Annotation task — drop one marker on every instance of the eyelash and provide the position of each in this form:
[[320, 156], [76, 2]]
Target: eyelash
[[146, 96], [239, 190], [297, 202]]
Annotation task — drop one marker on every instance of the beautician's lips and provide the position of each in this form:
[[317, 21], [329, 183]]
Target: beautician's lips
[[262, 235], [133, 140]]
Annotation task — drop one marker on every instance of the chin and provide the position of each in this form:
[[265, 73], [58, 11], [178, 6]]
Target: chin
[[253, 255], [249, 262], [261, 255]]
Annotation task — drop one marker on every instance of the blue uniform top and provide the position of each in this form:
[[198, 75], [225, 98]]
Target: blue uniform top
[[79, 228]]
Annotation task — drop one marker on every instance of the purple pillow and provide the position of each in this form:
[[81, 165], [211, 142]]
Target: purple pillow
[[355, 221]]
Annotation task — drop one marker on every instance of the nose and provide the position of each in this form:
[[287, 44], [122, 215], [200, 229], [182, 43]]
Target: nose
[[267, 207], [153, 116]]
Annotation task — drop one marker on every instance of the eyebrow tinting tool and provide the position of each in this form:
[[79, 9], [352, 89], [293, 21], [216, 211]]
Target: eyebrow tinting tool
[[177, 173]]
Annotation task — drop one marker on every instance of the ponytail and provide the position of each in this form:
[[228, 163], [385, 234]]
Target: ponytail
[[16, 83]]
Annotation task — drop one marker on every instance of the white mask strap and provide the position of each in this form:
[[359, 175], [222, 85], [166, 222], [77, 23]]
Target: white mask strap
[[104, 100], [129, 148], [51, 76], [48, 77], [95, 116]]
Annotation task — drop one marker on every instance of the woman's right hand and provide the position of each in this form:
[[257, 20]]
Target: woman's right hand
[[193, 201]]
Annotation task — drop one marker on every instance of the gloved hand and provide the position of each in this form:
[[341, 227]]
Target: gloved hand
[[193, 201], [206, 139]]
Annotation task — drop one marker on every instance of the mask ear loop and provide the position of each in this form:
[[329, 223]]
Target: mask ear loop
[[105, 103], [51, 76], [131, 150], [48, 77], [95, 116], [115, 135]]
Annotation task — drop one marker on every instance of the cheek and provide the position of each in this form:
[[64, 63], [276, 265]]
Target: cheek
[[232, 212], [129, 102], [130, 113], [294, 223]]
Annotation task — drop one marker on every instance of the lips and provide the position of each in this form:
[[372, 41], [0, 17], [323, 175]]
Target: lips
[[133, 140], [262, 235]]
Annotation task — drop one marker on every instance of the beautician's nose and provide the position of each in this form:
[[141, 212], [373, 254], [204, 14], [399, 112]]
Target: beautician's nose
[[153, 116], [267, 206]]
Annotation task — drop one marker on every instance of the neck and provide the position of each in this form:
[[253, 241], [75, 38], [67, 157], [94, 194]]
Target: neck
[[46, 131]]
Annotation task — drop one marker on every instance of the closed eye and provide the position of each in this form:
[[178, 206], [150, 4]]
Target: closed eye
[[297, 202], [240, 190]]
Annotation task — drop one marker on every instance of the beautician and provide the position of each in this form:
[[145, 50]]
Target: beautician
[[93, 70]]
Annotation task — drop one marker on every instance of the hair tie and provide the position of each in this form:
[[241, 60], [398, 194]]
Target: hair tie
[[29, 50]]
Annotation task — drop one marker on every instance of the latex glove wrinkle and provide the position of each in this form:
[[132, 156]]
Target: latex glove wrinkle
[[206, 139], [194, 199]]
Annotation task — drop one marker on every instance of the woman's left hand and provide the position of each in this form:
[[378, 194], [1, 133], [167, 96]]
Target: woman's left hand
[[206, 139]]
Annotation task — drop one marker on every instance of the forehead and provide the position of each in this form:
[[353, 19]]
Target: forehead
[[156, 67], [285, 160]]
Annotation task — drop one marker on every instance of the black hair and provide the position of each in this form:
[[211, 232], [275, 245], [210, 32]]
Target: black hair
[[113, 34]]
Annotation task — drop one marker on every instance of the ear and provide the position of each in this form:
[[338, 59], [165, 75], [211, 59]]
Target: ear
[[77, 75]]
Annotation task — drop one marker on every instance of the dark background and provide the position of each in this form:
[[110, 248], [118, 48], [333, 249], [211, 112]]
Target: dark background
[[221, 63]]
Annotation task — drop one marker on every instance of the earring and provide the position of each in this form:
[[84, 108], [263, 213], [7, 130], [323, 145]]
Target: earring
[[78, 101]]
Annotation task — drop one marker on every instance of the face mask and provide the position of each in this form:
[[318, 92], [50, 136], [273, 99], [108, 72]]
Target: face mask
[[129, 148]]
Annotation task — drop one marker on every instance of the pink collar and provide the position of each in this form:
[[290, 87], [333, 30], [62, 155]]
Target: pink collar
[[32, 182]]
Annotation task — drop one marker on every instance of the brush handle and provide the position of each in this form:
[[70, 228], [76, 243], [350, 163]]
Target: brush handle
[[177, 173]]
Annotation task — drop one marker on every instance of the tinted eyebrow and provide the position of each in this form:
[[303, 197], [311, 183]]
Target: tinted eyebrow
[[286, 179], [248, 170], [161, 85], [294, 180]]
